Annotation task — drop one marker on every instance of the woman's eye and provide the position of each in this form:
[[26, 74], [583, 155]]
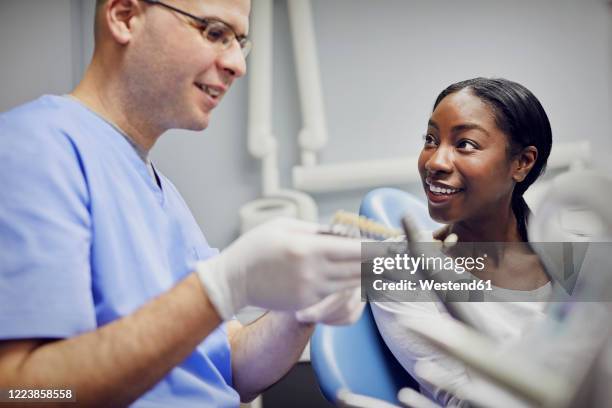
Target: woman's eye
[[429, 140], [467, 145]]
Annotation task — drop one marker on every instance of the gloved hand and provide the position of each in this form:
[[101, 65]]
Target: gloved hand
[[467, 389], [338, 309], [280, 265]]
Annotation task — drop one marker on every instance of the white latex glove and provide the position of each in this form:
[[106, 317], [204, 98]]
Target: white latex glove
[[280, 265], [469, 389], [338, 309]]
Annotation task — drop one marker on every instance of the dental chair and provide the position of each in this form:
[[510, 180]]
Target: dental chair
[[354, 359]]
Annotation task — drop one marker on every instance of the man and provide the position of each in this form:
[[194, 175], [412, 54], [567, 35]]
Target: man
[[107, 285]]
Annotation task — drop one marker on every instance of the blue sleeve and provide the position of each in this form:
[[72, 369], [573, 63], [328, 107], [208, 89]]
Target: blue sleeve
[[45, 234]]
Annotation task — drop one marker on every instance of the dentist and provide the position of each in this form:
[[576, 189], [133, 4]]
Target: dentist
[[107, 285]]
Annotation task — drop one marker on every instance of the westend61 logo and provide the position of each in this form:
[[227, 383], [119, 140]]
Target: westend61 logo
[[405, 262], [478, 271]]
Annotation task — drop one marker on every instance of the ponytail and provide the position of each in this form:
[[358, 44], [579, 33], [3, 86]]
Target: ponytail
[[521, 212]]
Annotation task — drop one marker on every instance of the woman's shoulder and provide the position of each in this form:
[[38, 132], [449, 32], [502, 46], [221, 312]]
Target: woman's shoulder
[[392, 312]]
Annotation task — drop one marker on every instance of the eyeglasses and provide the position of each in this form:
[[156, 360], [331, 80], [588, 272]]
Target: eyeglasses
[[215, 31]]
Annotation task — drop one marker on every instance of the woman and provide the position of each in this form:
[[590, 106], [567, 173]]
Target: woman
[[487, 141]]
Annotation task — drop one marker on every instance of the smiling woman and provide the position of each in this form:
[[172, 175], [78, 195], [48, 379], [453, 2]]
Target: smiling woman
[[487, 141]]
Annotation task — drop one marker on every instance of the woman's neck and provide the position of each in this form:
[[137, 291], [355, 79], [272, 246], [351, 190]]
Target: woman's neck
[[499, 227]]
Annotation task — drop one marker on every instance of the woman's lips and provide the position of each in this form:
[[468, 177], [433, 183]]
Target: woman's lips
[[441, 197]]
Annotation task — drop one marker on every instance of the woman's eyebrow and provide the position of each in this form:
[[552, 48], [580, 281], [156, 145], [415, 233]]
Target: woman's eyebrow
[[459, 128], [468, 126]]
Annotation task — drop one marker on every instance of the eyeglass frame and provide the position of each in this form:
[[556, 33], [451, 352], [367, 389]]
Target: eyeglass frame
[[243, 41]]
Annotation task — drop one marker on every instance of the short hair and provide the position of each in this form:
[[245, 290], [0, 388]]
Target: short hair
[[99, 4]]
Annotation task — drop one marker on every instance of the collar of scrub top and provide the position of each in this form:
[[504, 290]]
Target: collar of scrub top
[[144, 155]]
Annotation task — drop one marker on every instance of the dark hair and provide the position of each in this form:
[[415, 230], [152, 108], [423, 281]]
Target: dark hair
[[518, 114], [97, 17]]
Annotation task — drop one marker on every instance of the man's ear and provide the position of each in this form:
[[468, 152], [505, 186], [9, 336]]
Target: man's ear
[[119, 16], [523, 163]]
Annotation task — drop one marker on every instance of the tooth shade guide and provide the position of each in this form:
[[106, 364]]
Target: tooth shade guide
[[352, 225]]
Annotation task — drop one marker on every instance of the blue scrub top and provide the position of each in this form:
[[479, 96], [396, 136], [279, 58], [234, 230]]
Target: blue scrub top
[[87, 236]]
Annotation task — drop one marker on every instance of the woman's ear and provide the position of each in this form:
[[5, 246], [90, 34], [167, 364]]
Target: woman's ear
[[119, 17], [523, 163]]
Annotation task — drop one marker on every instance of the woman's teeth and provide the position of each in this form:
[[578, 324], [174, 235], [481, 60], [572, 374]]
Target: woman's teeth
[[440, 190]]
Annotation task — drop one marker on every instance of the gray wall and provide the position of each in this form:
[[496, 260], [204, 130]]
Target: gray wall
[[36, 54], [382, 63]]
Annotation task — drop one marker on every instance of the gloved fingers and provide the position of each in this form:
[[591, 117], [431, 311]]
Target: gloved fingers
[[434, 374], [337, 309], [442, 377], [473, 390], [441, 233], [450, 240], [304, 237], [434, 248], [340, 271], [329, 287], [328, 305], [414, 399], [349, 312], [349, 316], [337, 248]]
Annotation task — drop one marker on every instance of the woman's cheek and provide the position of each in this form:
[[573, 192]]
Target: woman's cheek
[[421, 162]]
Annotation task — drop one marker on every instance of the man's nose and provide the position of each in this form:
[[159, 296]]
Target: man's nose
[[232, 61]]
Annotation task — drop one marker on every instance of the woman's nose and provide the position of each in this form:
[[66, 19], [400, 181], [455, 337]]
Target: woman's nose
[[440, 161]]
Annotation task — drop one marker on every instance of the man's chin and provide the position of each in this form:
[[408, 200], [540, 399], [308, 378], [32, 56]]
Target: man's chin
[[198, 122], [200, 126]]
